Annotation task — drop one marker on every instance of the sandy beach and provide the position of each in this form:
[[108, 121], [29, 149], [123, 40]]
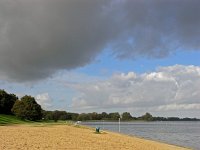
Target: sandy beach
[[60, 137]]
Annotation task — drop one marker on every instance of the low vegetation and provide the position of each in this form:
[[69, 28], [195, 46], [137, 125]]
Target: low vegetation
[[10, 119]]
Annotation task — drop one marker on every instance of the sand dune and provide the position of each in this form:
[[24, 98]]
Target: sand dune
[[71, 138]]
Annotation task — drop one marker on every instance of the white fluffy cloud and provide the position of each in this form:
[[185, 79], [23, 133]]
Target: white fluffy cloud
[[180, 107], [44, 100], [168, 88]]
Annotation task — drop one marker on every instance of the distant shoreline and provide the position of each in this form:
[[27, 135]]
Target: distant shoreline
[[137, 121]]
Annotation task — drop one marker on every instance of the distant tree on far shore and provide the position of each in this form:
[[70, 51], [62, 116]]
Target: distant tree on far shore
[[126, 116], [27, 108], [83, 117], [114, 116], [104, 115], [146, 117]]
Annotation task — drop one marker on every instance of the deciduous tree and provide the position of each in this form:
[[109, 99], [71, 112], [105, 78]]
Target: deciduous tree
[[27, 108], [6, 102]]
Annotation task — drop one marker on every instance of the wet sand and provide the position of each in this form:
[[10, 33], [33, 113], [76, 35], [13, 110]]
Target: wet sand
[[65, 137]]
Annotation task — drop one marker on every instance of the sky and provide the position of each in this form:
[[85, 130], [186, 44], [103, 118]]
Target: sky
[[103, 55]]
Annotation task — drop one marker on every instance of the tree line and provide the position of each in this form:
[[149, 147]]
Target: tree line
[[27, 108]]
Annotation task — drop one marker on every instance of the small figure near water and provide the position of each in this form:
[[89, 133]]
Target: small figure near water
[[97, 129]]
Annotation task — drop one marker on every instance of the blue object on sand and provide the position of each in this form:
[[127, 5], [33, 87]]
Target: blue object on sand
[[97, 129]]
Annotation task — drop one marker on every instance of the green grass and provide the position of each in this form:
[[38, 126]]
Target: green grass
[[12, 120], [9, 119]]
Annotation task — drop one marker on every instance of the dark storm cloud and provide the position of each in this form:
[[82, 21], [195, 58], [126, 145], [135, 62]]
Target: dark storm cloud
[[39, 37]]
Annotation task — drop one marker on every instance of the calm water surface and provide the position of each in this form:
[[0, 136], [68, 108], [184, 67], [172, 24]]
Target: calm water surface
[[185, 134]]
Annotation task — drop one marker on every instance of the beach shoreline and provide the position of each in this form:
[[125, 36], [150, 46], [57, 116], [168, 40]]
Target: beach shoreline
[[73, 137]]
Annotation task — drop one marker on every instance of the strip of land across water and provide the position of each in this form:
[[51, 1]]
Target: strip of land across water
[[69, 137]]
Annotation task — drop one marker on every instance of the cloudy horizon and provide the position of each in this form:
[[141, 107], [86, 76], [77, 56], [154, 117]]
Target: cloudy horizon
[[106, 55]]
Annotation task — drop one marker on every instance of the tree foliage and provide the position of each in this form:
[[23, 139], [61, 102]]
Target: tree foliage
[[83, 117], [59, 115], [114, 116], [147, 117], [104, 115], [27, 108], [6, 102], [126, 116]]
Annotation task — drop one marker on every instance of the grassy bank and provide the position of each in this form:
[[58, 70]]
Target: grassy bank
[[9, 119], [13, 120]]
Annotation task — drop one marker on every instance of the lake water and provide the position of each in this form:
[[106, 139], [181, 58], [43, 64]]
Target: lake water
[[185, 134]]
